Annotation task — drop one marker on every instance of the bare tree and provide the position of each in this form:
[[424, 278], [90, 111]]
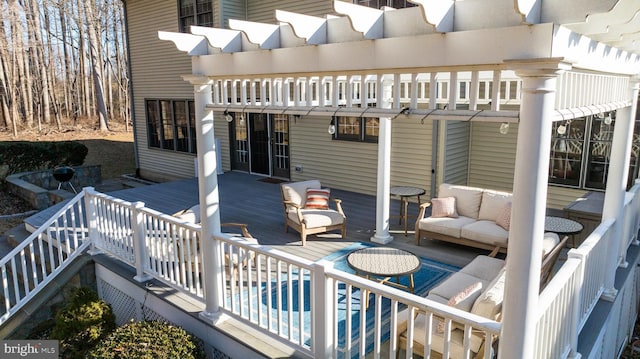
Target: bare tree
[[65, 60]]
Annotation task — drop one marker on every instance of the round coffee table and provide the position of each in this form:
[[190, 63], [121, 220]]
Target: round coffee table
[[384, 263]]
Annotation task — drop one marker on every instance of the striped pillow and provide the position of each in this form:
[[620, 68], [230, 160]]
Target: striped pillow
[[317, 198]]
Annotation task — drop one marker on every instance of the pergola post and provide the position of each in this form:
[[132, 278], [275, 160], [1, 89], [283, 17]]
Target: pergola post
[[208, 197], [384, 165], [617, 186], [529, 206]]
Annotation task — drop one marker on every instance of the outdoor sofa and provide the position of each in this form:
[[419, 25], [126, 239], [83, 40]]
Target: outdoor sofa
[[466, 215], [478, 288]]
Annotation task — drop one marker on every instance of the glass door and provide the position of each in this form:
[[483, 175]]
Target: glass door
[[280, 146]]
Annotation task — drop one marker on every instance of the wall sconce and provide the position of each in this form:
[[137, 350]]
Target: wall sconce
[[562, 129], [607, 119], [332, 128], [227, 116], [504, 128]]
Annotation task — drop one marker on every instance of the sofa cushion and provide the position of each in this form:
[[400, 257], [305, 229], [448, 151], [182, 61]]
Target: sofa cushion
[[456, 283], [445, 225], [489, 303], [492, 203], [468, 199], [318, 218], [296, 192], [483, 267], [485, 232], [504, 216], [317, 198], [443, 207]]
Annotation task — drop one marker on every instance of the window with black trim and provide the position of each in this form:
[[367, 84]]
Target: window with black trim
[[581, 151], [377, 4], [359, 129], [194, 12], [171, 125]]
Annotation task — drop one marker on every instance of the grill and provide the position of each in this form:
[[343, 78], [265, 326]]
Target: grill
[[63, 175]]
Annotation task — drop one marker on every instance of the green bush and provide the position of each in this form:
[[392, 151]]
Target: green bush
[[81, 324], [30, 156], [148, 340]]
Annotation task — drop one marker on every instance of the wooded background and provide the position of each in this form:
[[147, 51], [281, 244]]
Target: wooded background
[[60, 61]]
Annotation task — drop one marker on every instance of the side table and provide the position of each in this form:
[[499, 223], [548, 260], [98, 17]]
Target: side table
[[406, 192], [563, 226]]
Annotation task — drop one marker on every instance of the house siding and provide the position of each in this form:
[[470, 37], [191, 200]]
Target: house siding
[[156, 69], [353, 166], [456, 152], [264, 11], [492, 156], [492, 163]]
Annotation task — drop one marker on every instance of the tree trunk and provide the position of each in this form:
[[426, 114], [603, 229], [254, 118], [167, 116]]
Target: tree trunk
[[95, 65], [39, 56]]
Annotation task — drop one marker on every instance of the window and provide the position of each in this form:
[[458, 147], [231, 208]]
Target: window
[[377, 4], [194, 12], [171, 125], [581, 151], [360, 129]]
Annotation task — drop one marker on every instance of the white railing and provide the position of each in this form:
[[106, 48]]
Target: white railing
[[156, 244], [33, 264], [301, 303], [557, 307]]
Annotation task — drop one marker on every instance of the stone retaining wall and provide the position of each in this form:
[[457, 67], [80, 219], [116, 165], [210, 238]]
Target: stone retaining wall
[[40, 189]]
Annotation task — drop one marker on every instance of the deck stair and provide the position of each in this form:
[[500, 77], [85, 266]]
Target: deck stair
[[35, 262]]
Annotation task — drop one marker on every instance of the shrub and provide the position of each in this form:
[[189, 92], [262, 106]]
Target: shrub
[[148, 340], [30, 156], [82, 323]]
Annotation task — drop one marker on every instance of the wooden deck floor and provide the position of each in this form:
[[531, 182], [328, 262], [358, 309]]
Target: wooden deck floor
[[245, 198]]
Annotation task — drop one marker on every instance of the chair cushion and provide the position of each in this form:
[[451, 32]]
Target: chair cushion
[[296, 192], [463, 299], [191, 215], [443, 207], [485, 232], [468, 199], [446, 225], [318, 218], [492, 203], [489, 303], [504, 216], [456, 348], [549, 241], [317, 198]]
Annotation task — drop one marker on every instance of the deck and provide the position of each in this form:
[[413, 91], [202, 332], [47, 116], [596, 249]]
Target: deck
[[246, 198]]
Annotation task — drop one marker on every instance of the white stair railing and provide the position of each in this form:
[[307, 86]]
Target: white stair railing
[[36, 261]]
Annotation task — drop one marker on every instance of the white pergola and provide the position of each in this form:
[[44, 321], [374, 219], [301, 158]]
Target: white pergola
[[571, 59]]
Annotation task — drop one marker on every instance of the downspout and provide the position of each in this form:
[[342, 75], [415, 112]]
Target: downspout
[[131, 105]]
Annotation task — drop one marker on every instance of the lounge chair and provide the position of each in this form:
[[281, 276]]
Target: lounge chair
[[306, 209]]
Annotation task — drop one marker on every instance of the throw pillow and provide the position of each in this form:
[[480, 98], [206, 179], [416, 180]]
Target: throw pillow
[[504, 216], [443, 207], [471, 293], [317, 198]]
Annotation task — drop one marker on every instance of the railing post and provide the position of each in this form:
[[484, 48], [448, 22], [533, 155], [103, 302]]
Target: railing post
[[92, 221], [322, 312], [139, 245], [576, 305]]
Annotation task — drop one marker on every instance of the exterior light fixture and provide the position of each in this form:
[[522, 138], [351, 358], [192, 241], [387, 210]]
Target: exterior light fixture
[[332, 129], [242, 119], [607, 119], [227, 116], [562, 129], [504, 128]]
